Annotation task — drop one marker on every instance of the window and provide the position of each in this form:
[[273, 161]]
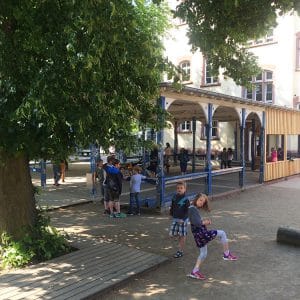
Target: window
[[185, 126], [209, 78], [214, 131], [268, 38], [185, 67], [293, 146], [275, 147], [262, 87], [298, 51]]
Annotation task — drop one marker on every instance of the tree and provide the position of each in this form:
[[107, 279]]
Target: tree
[[70, 72], [221, 29]]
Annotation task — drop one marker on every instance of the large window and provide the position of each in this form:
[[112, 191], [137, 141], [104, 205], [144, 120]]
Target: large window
[[185, 126], [293, 146], [214, 131], [208, 76], [185, 67], [298, 51], [262, 87], [275, 147]]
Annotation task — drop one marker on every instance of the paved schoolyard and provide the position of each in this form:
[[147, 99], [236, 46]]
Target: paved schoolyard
[[265, 269]]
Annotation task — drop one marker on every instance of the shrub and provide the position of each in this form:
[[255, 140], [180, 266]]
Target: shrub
[[39, 243]]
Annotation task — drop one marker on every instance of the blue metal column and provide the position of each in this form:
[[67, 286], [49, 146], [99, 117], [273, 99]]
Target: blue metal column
[[242, 149], [262, 149], [235, 143], [208, 167], [194, 145], [160, 188], [93, 154], [43, 172], [253, 145], [175, 151]]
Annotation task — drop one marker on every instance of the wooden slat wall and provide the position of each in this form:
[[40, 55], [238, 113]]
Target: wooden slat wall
[[282, 121]]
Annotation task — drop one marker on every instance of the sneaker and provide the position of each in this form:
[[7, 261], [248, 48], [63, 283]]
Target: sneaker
[[229, 257], [112, 215], [118, 215], [130, 214], [178, 254], [197, 275]]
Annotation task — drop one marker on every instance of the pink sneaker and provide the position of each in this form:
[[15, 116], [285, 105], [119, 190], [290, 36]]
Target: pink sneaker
[[229, 257], [197, 275]]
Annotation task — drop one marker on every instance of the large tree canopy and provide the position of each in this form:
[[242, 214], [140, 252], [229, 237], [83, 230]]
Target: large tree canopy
[[71, 72], [221, 29], [76, 71]]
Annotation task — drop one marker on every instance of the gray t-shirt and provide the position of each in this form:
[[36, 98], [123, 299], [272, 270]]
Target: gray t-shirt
[[194, 216]]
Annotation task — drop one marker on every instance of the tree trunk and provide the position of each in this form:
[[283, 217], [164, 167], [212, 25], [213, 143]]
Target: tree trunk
[[17, 203]]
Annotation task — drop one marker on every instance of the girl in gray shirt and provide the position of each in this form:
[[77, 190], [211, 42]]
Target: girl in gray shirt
[[202, 235]]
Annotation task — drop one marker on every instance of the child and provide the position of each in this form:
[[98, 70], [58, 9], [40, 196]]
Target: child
[[135, 189], [224, 158], [99, 177], [202, 235], [179, 212]]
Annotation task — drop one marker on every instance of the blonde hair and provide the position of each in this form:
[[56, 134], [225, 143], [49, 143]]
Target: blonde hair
[[206, 203]]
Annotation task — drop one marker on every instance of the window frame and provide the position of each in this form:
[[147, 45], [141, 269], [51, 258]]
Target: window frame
[[215, 127], [185, 127], [187, 73], [264, 83]]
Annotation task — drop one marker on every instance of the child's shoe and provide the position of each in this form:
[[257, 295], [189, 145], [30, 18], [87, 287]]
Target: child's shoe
[[230, 256], [197, 275], [112, 215], [178, 254]]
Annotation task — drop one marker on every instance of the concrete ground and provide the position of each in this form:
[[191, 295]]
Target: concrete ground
[[265, 269]]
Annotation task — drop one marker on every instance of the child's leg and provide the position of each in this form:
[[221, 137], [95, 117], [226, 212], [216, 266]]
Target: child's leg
[[181, 243], [131, 196], [223, 238], [117, 205], [137, 201], [201, 258]]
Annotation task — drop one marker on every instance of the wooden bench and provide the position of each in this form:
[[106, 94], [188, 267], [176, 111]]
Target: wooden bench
[[81, 274]]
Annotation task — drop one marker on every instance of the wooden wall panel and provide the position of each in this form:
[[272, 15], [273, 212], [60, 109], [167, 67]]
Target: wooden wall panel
[[281, 169], [280, 121]]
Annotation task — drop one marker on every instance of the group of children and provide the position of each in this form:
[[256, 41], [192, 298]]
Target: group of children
[[184, 211], [110, 177]]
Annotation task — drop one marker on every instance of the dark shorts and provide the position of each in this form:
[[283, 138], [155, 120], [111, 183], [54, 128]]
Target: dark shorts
[[110, 195]]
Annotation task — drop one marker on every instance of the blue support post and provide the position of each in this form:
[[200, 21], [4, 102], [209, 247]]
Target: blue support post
[[93, 154], [242, 149], [160, 188], [253, 145], [235, 144], [43, 172], [208, 167], [262, 149], [194, 145], [175, 142]]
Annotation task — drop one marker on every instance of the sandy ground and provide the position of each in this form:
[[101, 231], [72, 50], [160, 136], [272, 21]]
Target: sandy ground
[[265, 269]]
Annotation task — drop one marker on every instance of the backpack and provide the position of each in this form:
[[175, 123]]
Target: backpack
[[111, 183]]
